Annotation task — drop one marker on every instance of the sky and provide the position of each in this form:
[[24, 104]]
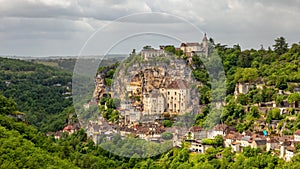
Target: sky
[[90, 27]]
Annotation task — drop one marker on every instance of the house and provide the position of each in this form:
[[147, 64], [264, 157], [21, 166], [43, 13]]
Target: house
[[177, 94], [58, 135], [283, 147], [75, 128], [259, 143], [272, 144], [197, 132], [67, 129], [219, 129], [194, 48], [297, 135], [289, 153], [197, 146], [154, 103], [131, 115], [245, 141], [230, 138], [236, 147], [242, 88], [151, 53], [189, 48]]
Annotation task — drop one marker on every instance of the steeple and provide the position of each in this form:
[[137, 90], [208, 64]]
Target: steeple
[[204, 38], [204, 41]]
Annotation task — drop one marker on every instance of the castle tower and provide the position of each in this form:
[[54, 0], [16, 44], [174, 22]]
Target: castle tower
[[205, 45], [204, 41]]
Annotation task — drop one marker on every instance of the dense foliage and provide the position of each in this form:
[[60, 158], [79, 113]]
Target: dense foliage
[[276, 70], [42, 92], [22, 146]]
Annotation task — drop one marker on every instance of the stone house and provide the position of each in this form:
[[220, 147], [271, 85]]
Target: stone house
[[154, 103], [242, 88], [150, 53], [283, 147], [272, 144], [131, 116], [290, 152], [236, 146], [259, 143], [58, 135], [219, 129], [197, 146], [297, 135], [178, 97], [230, 138], [194, 48], [245, 141], [197, 132]]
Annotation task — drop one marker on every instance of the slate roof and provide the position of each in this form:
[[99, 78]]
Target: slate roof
[[246, 138], [260, 142]]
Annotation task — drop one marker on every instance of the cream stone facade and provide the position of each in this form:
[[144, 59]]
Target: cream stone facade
[[150, 53], [154, 104], [178, 97], [194, 48]]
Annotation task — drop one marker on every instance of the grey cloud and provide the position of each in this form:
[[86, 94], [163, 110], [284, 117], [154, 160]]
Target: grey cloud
[[47, 24]]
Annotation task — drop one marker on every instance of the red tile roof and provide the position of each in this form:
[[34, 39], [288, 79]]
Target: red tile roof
[[196, 129], [297, 132], [68, 128]]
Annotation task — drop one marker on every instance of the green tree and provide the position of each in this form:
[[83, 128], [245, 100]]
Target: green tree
[[246, 75], [293, 98], [167, 135], [280, 46], [7, 106], [170, 49], [167, 123]]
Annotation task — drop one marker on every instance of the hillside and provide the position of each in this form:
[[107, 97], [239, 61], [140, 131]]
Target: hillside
[[22, 146], [42, 92]]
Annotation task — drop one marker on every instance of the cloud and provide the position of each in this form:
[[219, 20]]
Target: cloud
[[40, 23]]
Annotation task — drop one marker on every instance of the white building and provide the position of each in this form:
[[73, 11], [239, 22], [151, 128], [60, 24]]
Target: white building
[[194, 48], [155, 103], [150, 53], [297, 135], [178, 97]]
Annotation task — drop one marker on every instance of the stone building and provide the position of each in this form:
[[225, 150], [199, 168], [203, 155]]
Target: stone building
[[178, 97], [150, 53], [194, 48], [155, 103], [297, 136]]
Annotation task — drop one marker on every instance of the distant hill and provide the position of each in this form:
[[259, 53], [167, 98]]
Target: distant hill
[[41, 87], [42, 92]]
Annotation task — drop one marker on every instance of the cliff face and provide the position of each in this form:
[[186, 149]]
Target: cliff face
[[151, 78], [100, 88], [145, 81]]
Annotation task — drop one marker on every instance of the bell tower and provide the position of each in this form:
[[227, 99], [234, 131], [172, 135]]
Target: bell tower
[[205, 45], [204, 41]]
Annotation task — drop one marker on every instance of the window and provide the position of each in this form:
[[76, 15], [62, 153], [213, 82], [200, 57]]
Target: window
[[168, 93], [175, 93]]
